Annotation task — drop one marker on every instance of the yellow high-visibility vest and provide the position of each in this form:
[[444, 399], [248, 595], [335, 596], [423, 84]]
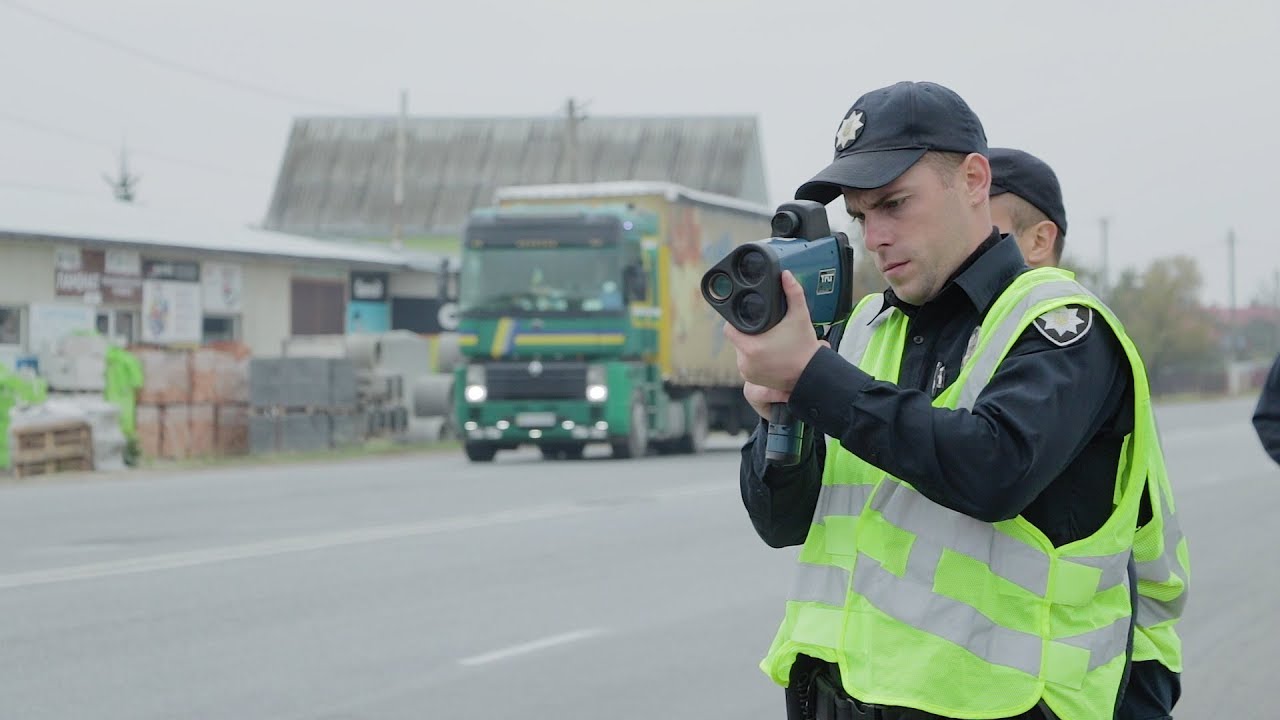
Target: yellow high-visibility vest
[[924, 607]]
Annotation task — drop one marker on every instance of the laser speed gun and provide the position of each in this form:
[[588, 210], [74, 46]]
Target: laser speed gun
[[746, 289]]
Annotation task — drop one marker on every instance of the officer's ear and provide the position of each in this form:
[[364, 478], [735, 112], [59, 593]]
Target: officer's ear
[[976, 171], [1040, 241]]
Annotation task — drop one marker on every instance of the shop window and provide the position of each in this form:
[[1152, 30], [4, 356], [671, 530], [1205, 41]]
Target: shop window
[[117, 325], [10, 325], [220, 329]]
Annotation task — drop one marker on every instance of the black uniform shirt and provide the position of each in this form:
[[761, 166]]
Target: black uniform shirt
[[1042, 440], [1266, 417]]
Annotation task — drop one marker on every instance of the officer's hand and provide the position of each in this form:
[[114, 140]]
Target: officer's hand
[[762, 398], [776, 358]]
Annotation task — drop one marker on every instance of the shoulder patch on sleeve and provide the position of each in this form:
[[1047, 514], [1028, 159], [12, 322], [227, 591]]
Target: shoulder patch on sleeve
[[1065, 325]]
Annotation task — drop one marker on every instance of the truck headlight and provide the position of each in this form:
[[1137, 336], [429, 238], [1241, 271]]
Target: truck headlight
[[597, 388], [475, 391]]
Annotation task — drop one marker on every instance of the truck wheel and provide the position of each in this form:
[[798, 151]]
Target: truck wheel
[[636, 444], [695, 440], [480, 453]]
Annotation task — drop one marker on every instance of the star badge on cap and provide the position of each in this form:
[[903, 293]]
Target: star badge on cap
[[849, 130], [1065, 325]]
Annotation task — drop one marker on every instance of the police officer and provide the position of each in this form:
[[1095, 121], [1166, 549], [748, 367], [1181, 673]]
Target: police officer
[[969, 489], [1026, 202], [1266, 417]]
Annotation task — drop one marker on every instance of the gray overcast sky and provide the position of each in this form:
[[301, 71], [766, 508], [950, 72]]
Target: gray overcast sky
[[1164, 116]]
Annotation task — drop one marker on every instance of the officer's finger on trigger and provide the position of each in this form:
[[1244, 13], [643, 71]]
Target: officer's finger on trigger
[[794, 291]]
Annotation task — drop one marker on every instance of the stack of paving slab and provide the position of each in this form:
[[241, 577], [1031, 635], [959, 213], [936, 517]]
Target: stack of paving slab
[[303, 404]]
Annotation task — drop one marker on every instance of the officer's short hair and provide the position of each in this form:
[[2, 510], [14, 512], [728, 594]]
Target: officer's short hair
[[944, 163], [1024, 215]]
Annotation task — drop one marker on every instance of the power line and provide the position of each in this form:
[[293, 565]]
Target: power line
[[53, 189], [87, 140], [173, 65]]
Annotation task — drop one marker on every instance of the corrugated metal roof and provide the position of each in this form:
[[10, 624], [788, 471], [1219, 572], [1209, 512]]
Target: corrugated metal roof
[[36, 214], [337, 177], [670, 191]]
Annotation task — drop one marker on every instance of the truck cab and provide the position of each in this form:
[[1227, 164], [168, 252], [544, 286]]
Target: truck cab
[[555, 323]]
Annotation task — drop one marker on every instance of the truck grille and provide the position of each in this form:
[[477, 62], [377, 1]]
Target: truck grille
[[520, 381]]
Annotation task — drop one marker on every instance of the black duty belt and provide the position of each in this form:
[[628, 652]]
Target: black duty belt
[[833, 703]]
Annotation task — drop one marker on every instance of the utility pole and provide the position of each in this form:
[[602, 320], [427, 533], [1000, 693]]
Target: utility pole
[[397, 209], [1104, 222], [1231, 289], [125, 185], [573, 118]]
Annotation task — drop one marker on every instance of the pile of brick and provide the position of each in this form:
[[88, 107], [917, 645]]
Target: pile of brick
[[194, 403]]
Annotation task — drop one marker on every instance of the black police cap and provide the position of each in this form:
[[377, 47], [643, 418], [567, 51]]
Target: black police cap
[[888, 130], [1030, 178]]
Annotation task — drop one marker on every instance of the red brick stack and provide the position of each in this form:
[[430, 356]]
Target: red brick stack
[[194, 403]]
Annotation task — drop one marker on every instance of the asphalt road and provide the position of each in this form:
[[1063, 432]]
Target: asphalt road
[[428, 587]]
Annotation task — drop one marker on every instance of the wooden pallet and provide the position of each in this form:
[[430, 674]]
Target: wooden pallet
[[47, 467], [51, 447]]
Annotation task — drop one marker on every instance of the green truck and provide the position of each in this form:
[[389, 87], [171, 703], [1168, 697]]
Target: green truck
[[581, 320]]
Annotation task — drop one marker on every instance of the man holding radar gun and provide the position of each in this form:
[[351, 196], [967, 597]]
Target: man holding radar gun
[[964, 468]]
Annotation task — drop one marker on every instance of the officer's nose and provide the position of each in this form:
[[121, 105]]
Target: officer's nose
[[875, 233]]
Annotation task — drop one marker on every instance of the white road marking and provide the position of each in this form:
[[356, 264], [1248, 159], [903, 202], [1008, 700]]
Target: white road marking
[[534, 646], [306, 543], [193, 558]]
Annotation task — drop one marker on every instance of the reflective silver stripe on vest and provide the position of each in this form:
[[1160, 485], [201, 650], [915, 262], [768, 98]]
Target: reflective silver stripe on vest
[[952, 620], [1166, 564], [1150, 611], [908, 601], [826, 584], [984, 364], [1011, 559], [1007, 557], [1104, 644], [1115, 568], [860, 328], [841, 499]]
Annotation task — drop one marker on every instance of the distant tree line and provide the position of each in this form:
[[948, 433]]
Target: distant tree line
[[1184, 346]]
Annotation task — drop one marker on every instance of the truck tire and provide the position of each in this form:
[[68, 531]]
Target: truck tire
[[636, 444], [695, 440], [477, 452]]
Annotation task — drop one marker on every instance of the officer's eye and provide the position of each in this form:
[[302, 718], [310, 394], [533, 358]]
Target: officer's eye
[[893, 204]]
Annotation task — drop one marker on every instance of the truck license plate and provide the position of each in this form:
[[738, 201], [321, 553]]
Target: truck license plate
[[536, 419]]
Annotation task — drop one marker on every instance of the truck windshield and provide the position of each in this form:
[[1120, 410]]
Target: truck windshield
[[541, 280]]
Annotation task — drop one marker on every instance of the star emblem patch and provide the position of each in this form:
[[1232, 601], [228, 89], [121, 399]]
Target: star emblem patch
[[849, 130], [1065, 325]]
